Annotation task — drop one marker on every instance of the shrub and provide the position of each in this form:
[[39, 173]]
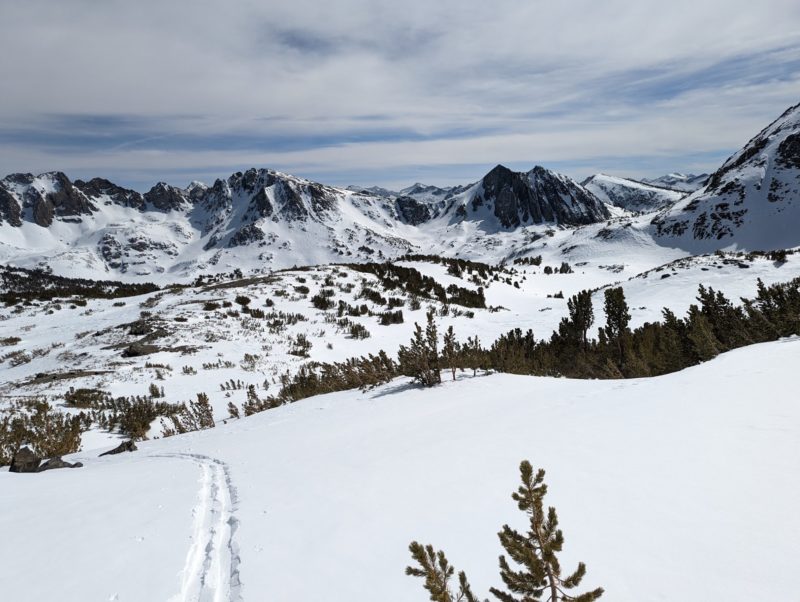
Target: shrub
[[359, 331], [84, 398], [322, 302], [391, 317], [48, 432], [301, 346], [194, 416]]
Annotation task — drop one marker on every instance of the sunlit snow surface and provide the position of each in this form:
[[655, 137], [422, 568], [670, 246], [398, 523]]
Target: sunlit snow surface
[[681, 487]]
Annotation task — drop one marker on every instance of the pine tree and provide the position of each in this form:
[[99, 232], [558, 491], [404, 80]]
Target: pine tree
[[437, 572], [704, 344], [432, 341], [450, 350], [581, 315], [617, 319], [472, 354], [540, 577], [420, 360]]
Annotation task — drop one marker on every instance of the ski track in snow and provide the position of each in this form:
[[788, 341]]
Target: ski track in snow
[[211, 570]]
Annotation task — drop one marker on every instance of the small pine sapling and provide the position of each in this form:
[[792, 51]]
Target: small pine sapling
[[538, 578], [535, 551], [437, 572]]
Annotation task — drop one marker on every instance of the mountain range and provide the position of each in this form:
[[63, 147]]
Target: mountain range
[[264, 219]]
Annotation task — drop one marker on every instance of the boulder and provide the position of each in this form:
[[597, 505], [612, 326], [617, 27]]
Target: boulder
[[125, 446], [139, 349], [25, 461], [57, 462]]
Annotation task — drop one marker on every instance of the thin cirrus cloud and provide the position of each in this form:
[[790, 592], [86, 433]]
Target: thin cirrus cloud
[[383, 93]]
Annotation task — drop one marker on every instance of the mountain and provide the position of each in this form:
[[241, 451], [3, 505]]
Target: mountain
[[375, 190], [751, 202], [679, 181], [254, 219], [630, 194], [261, 219], [506, 199]]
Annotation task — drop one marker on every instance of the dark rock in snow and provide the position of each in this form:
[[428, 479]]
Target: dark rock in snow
[[412, 211], [10, 210], [57, 462], [125, 446], [25, 461], [139, 349]]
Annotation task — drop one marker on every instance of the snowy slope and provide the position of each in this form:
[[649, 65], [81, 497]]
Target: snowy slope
[[426, 192], [319, 500], [751, 202], [630, 194], [202, 350], [679, 181]]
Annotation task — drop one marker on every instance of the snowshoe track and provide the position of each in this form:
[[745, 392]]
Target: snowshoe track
[[211, 570]]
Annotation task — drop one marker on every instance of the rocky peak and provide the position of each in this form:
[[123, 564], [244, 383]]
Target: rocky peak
[[164, 197], [537, 196], [99, 187], [52, 195]]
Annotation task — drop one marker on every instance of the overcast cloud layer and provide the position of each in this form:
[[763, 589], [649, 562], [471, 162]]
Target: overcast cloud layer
[[388, 93]]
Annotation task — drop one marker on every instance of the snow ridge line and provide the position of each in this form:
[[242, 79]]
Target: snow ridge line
[[211, 570]]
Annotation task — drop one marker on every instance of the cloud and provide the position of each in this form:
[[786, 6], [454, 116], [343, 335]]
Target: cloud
[[367, 91]]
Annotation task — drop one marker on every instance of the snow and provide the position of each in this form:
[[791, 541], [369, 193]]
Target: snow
[[752, 202], [680, 181], [679, 487], [631, 194], [91, 338]]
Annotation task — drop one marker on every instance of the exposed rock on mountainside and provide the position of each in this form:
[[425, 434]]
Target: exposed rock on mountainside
[[42, 199], [534, 197], [262, 219], [752, 201]]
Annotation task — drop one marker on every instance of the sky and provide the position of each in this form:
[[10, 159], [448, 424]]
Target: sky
[[388, 93]]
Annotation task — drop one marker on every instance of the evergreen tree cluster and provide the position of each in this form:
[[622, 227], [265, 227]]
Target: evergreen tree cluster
[[192, 416], [420, 359], [413, 282], [537, 261], [711, 326], [20, 285], [316, 378], [456, 266]]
